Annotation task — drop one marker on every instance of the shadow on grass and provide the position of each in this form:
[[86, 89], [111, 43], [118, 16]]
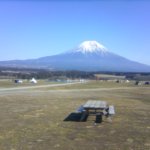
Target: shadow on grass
[[76, 117], [98, 119]]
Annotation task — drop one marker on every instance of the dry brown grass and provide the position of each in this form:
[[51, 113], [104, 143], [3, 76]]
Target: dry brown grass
[[33, 120]]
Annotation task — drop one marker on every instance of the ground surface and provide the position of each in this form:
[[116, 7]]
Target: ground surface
[[33, 119]]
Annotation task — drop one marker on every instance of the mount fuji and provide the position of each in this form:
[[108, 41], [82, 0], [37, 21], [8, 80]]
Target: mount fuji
[[88, 56]]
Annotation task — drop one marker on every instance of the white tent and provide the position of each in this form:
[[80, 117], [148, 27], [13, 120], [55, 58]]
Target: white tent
[[33, 80]]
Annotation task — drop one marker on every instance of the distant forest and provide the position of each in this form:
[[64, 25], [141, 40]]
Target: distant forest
[[24, 73]]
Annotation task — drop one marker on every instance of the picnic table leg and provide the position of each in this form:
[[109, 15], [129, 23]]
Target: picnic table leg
[[98, 118]]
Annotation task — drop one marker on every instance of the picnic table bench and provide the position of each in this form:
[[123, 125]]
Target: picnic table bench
[[97, 108]]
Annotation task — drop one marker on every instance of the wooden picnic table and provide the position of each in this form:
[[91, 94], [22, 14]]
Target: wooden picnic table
[[97, 108], [95, 105]]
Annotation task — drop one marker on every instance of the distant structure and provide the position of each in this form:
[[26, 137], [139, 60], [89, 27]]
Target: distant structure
[[18, 81], [33, 80], [138, 83], [108, 77], [147, 83], [127, 81]]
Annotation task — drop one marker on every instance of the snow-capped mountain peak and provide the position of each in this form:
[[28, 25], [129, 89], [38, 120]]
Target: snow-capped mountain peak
[[88, 56], [91, 46]]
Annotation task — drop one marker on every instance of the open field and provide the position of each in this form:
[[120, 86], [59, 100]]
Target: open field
[[33, 119], [7, 83]]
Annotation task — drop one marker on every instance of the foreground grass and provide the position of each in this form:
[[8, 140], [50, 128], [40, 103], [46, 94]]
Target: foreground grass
[[35, 120]]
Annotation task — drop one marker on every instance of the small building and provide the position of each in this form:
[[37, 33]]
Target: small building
[[138, 83], [18, 81], [147, 83]]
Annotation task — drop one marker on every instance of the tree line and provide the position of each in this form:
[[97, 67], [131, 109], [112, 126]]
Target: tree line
[[28, 73]]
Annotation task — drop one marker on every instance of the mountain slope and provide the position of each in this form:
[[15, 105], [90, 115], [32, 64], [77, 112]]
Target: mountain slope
[[88, 56]]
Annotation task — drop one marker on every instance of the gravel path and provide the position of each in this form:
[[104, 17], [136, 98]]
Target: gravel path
[[15, 89]]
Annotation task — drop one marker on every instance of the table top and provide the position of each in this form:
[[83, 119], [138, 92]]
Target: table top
[[95, 104]]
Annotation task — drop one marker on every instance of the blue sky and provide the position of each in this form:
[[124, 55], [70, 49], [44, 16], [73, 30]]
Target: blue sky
[[32, 29]]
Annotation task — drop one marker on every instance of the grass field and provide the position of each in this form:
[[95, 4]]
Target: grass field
[[34, 119], [8, 83]]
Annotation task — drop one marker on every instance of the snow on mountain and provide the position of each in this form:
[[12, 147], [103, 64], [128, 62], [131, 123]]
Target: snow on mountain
[[91, 46], [88, 56]]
